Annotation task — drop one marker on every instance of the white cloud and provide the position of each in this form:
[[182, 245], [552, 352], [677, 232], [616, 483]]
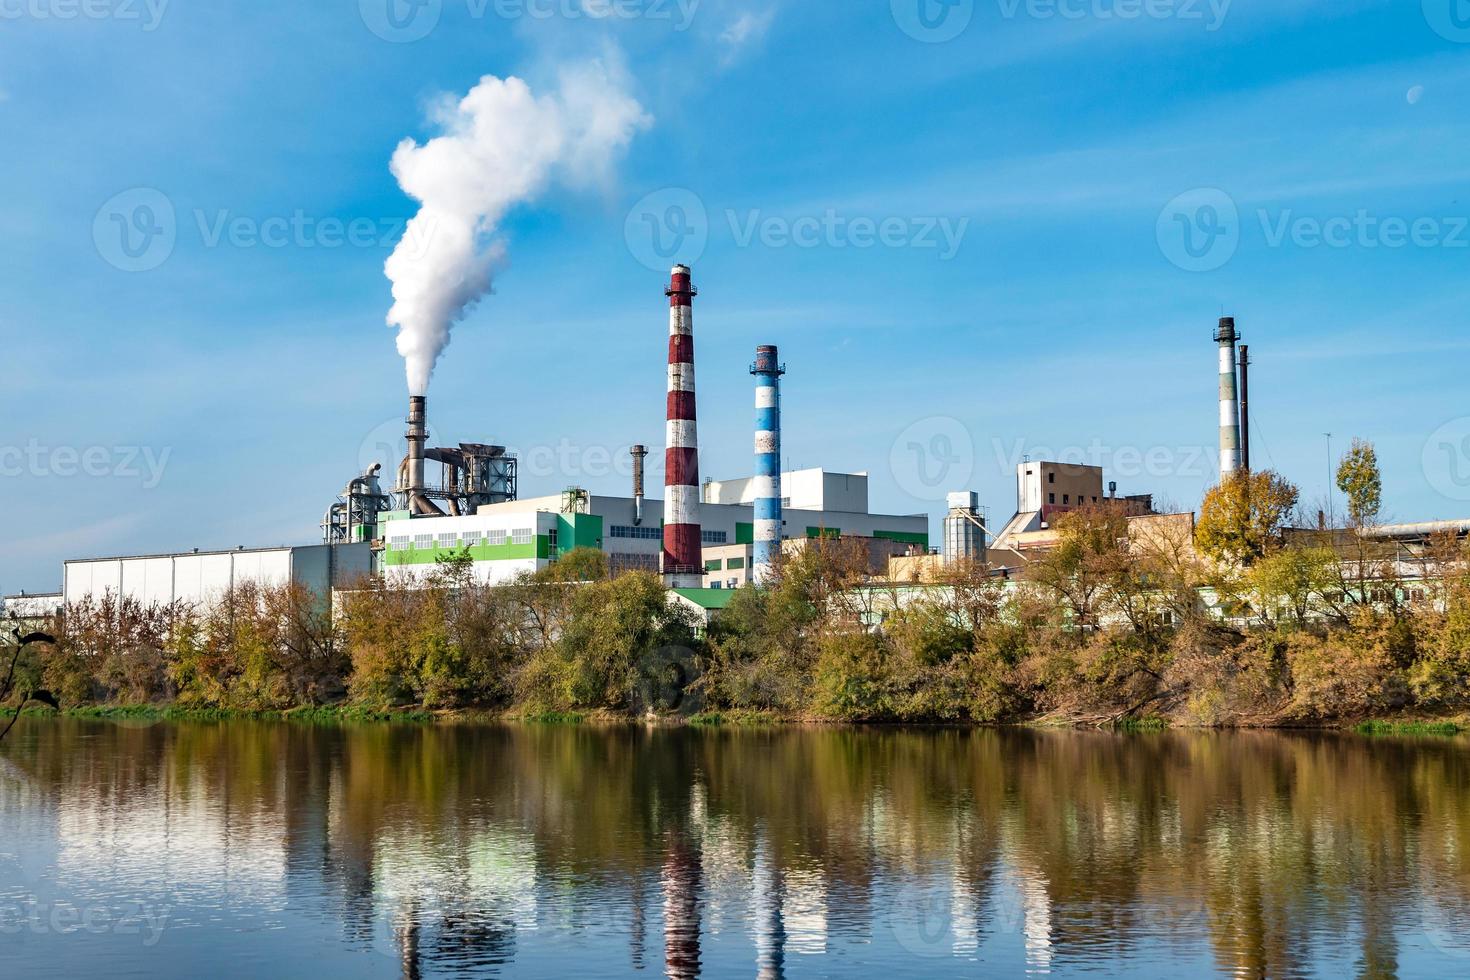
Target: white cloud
[[747, 29]]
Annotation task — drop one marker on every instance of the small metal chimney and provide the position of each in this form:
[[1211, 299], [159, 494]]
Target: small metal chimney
[[1226, 337], [639, 453], [1245, 408]]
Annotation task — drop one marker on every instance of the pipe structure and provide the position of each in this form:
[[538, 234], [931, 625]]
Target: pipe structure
[[1226, 337], [418, 435], [768, 514], [1245, 408], [683, 548], [639, 454]]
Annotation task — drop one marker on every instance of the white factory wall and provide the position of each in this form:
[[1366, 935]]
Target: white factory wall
[[203, 577], [815, 490], [492, 525], [31, 607]]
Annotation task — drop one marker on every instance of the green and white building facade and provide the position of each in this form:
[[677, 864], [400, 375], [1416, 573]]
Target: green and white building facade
[[507, 540]]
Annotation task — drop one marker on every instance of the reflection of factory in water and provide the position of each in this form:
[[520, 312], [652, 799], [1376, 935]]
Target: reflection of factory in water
[[689, 865]]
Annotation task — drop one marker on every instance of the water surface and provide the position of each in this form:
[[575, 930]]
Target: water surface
[[275, 849]]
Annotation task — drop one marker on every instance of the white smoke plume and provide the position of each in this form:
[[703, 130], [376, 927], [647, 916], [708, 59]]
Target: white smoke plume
[[501, 145]]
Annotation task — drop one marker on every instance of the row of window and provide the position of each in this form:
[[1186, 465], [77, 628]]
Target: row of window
[[657, 534], [729, 564], [644, 533], [1051, 498], [469, 539]]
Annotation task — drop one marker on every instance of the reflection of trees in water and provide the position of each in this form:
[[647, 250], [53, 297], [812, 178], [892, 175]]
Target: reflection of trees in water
[[1069, 845]]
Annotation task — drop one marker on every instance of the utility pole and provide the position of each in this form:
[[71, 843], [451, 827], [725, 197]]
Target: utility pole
[[1330, 517]]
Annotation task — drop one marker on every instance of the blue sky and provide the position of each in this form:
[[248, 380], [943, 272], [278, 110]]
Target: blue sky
[[226, 392]]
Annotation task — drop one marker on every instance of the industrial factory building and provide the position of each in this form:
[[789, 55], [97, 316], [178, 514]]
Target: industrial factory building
[[199, 577], [705, 537], [506, 540], [1046, 490], [474, 508]]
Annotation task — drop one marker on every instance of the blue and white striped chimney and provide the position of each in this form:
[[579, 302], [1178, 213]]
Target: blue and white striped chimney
[[768, 518]]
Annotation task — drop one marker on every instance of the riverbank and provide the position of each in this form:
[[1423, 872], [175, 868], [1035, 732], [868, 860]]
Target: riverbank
[[357, 715]]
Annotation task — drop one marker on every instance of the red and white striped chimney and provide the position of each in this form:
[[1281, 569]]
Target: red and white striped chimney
[[683, 548]]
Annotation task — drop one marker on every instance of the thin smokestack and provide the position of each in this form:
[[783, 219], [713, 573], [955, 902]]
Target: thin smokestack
[[418, 436], [683, 549], [1245, 407], [768, 514], [639, 453], [1226, 337], [418, 414]]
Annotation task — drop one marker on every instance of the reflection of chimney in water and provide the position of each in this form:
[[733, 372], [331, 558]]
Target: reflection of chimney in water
[[770, 920], [637, 929], [681, 876], [407, 935]]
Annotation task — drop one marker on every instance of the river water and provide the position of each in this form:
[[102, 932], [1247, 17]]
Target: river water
[[287, 850]]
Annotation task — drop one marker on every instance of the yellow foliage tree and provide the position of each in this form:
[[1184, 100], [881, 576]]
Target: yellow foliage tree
[[1241, 520]]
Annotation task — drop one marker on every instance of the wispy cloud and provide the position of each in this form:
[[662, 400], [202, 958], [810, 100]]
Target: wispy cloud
[[748, 29]]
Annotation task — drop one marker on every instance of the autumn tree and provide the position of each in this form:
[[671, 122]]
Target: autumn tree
[[1361, 481], [1243, 519], [1091, 551]]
